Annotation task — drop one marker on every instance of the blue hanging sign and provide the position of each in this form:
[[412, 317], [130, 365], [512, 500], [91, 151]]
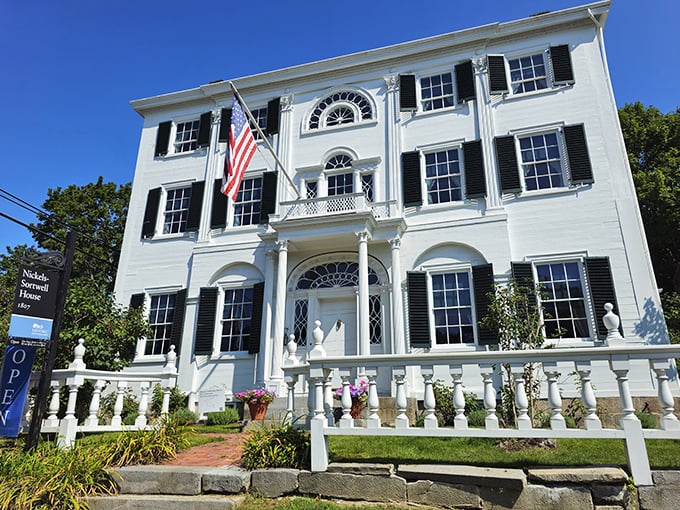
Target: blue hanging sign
[[14, 379]]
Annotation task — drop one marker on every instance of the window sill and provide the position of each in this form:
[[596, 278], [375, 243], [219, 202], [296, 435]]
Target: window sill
[[196, 152], [549, 192], [341, 127], [169, 237], [150, 358], [535, 93], [568, 343], [449, 109], [236, 355]]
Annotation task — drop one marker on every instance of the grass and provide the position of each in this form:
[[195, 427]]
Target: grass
[[663, 454], [302, 503]]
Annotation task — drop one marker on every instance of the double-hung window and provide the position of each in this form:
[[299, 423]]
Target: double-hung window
[[248, 202], [161, 316], [442, 176], [452, 308], [176, 210], [563, 300], [541, 161], [528, 73], [236, 319], [260, 115], [340, 184], [186, 136], [436, 92]]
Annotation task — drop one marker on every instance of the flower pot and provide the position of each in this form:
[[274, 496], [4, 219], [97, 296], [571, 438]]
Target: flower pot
[[257, 411], [357, 406]]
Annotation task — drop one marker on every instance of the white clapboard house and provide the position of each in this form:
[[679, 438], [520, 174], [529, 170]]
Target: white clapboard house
[[419, 175]]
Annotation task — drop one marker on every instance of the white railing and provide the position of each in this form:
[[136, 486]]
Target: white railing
[[75, 376], [320, 370], [339, 204]]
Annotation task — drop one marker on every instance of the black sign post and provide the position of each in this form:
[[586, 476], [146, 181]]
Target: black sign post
[[50, 358]]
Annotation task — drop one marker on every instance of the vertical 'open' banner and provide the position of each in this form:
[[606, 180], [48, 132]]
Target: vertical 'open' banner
[[14, 379]]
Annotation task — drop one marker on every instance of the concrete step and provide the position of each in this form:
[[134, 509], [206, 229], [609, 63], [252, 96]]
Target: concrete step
[[165, 502]]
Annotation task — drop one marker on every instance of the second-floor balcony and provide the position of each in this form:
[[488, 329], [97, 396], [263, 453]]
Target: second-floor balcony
[[354, 203]]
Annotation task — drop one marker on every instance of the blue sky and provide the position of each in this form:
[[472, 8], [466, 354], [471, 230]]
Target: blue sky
[[71, 67]]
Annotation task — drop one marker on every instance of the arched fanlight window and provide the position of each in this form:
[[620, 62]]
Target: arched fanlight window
[[339, 108], [338, 161], [334, 274]]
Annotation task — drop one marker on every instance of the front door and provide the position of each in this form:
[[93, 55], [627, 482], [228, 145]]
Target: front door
[[339, 324]]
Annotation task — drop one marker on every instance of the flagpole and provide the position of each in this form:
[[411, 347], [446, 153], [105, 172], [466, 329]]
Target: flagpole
[[263, 137]]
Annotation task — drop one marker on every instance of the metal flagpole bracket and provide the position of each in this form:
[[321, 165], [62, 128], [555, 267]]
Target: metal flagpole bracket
[[51, 259]]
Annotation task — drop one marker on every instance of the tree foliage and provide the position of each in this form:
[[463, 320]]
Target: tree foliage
[[97, 211], [653, 145]]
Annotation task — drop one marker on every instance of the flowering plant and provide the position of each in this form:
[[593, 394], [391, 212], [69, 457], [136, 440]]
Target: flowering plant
[[358, 392], [261, 396]]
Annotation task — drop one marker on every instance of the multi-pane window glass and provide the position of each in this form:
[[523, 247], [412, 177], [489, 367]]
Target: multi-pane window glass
[[563, 300], [311, 189], [300, 321], [248, 202], [367, 186], [374, 319], [176, 210], [452, 308], [340, 115], [161, 314], [541, 162], [528, 74], [186, 136], [334, 275], [339, 161], [236, 316], [442, 176], [340, 184], [436, 92], [260, 115], [321, 110]]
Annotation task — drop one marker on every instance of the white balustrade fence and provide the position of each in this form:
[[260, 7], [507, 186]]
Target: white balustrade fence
[[319, 370], [77, 374], [333, 205]]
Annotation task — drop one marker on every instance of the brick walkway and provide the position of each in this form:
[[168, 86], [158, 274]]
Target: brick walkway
[[219, 453]]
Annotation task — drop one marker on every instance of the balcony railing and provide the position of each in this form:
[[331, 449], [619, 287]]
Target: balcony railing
[[336, 205]]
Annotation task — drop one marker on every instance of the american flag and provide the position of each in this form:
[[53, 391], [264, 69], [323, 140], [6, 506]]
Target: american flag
[[240, 151]]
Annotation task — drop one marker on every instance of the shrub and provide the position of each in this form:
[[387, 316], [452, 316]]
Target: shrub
[[229, 415], [178, 400], [477, 418], [276, 446], [444, 407], [184, 416], [130, 406], [648, 420]]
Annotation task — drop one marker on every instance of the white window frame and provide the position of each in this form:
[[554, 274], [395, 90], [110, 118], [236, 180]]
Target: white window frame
[[175, 132], [424, 151], [549, 85], [323, 116], [260, 114], [141, 343], [231, 212], [579, 258], [447, 269], [218, 353], [160, 220], [422, 101]]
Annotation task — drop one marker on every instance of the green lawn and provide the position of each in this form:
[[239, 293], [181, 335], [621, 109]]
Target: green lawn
[[663, 454]]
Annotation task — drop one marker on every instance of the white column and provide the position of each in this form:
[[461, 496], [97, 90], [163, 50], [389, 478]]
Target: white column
[[398, 339], [214, 167], [285, 145], [486, 132], [280, 313], [393, 138], [364, 315], [264, 359]]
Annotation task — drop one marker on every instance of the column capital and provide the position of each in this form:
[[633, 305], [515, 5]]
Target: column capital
[[287, 103], [395, 243], [283, 245], [479, 64], [363, 236], [391, 82]]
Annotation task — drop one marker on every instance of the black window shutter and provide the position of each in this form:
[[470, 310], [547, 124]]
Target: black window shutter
[[410, 172], [151, 213], [256, 318], [178, 320], [204, 130], [218, 215], [508, 170], [225, 123], [560, 59], [465, 81], [523, 274], [269, 187], [577, 152], [195, 206], [273, 108], [205, 323], [137, 300], [482, 280], [601, 290], [475, 181], [407, 92], [498, 81], [418, 309], [163, 138]]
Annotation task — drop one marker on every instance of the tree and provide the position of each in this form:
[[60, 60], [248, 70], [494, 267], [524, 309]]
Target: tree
[[653, 145], [515, 317], [98, 212]]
